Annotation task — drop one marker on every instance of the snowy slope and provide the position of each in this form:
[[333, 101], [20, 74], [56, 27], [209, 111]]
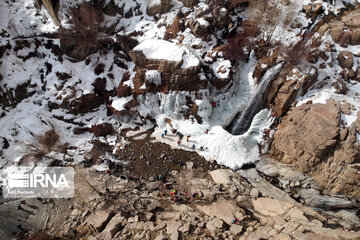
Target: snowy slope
[[22, 124]]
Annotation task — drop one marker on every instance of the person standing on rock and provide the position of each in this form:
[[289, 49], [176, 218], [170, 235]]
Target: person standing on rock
[[213, 104], [165, 132]]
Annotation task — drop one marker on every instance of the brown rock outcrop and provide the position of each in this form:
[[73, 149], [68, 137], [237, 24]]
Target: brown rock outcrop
[[173, 76], [200, 28], [341, 173], [285, 88], [307, 134], [263, 65], [285, 96], [345, 59], [123, 90], [85, 103]]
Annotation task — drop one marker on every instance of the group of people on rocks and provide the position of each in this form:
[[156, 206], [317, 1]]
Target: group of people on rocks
[[181, 136], [177, 197]]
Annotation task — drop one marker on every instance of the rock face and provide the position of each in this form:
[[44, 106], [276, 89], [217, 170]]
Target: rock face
[[341, 173], [307, 134], [309, 137], [283, 90], [177, 68], [344, 31]]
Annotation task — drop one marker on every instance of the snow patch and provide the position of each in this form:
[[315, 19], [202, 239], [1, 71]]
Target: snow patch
[[165, 50], [153, 76], [119, 103]]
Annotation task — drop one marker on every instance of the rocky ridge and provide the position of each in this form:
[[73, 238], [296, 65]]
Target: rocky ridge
[[219, 204]]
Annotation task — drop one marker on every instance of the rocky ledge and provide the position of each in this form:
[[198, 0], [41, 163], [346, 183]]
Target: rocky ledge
[[194, 200]]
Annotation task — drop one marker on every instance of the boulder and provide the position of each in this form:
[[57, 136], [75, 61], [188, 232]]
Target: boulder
[[158, 7], [112, 227], [349, 219], [101, 130], [214, 226], [225, 210], [263, 65], [85, 103], [271, 207], [336, 32], [285, 96], [174, 236], [352, 20], [307, 134], [99, 219], [221, 16], [222, 176], [200, 28], [123, 90], [345, 59], [355, 36], [313, 198], [236, 229], [172, 227]]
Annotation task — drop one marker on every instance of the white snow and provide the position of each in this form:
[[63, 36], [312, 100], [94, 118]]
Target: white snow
[[119, 103], [165, 50], [154, 3], [203, 22], [153, 76], [221, 68], [227, 149], [32, 118]]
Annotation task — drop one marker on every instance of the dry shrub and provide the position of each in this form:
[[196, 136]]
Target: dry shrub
[[264, 17], [49, 139], [45, 144], [86, 35], [267, 14], [298, 52], [236, 46]]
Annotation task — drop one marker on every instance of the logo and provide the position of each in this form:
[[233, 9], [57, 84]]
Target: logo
[[38, 182]]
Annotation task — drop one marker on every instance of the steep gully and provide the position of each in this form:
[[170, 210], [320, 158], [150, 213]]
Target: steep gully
[[242, 121]]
